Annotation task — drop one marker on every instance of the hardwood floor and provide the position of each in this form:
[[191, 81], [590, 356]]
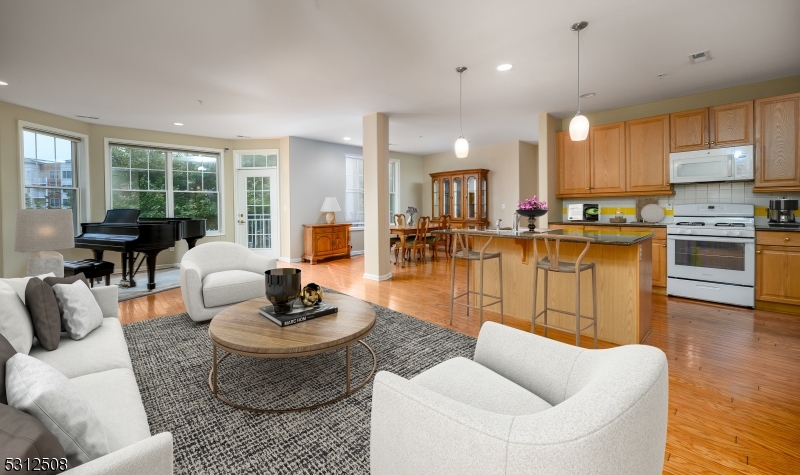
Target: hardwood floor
[[734, 402]]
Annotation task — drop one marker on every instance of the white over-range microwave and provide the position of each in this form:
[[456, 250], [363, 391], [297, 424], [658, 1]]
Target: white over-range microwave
[[717, 164]]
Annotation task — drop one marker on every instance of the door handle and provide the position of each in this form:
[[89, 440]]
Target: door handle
[[241, 221], [730, 165]]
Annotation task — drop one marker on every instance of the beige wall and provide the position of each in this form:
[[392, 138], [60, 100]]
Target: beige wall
[[512, 174], [728, 95], [13, 263]]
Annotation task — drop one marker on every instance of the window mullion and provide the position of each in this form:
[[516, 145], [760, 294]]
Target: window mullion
[[168, 183]]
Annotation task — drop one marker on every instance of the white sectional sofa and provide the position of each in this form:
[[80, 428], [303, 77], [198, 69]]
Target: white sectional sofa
[[100, 367]]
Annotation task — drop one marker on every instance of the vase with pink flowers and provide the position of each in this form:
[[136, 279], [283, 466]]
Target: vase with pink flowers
[[532, 208]]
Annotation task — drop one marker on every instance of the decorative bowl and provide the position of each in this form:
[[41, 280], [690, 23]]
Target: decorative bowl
[[531, 214], [282, 288]]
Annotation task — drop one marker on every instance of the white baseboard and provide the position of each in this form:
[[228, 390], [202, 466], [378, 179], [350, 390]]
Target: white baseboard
[[290, 259], [356, 253], [378, 278]]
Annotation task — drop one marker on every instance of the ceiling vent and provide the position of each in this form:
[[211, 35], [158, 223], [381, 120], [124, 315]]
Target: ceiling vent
[[87, 117], [700, 57]]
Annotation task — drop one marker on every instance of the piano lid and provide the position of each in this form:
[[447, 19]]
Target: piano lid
[[121, 216]]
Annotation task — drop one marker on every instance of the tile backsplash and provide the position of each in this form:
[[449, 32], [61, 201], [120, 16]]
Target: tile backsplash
[[729, 192]]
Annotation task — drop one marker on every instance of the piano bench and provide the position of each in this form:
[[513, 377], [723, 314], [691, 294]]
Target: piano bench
[[91, 268]]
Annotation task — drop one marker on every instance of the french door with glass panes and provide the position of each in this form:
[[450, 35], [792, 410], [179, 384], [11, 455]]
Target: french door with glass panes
[[257, 211]]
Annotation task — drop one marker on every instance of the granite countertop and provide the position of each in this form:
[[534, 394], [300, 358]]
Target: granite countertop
[[766, 227], [597, 223], [623, 238]]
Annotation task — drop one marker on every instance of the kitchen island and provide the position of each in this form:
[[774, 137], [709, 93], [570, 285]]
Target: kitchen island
[[624, 279]]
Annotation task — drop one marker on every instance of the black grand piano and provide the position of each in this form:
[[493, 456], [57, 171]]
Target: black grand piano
[[125, 232]]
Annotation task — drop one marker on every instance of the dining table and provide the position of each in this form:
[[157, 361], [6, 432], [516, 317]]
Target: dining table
[[408, 230]]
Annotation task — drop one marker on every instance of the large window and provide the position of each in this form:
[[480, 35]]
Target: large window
[[166, 183], [49, 164], [354, 191], [354, 206]]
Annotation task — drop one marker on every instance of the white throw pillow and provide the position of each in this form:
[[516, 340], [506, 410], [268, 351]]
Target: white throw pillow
[[80, 313], [37, 388], [19, 283], [15, 321]]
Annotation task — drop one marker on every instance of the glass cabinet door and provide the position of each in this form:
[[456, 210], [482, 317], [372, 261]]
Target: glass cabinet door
[[446, 195], [436, 198], [472, 197], [484, 206], [457, 197]]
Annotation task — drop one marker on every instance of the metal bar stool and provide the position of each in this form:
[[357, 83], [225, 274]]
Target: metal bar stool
[[459, 238], [551, 263]]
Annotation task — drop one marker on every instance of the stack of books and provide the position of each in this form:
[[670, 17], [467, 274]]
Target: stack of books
[[299, 313]]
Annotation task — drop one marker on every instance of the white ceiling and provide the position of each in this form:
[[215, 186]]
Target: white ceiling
[[313, 68]]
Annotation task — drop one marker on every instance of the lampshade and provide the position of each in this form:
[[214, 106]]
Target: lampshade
[[330, 205], [579, 128], [44, 230], [462, 147]]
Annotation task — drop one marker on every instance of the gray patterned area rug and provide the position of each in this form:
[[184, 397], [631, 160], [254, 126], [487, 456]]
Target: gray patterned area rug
[[172, 358]]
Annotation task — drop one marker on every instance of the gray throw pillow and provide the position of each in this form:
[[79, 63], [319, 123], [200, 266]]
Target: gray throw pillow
[[37, 388], [80, 313], [43, 307], [15, 322], [51, 281], [23, 437], [6, 352]]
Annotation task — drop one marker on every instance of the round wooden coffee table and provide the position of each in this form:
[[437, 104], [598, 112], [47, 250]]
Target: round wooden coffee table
[[242, 330]]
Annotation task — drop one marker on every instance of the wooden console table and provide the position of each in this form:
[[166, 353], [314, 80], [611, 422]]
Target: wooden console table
[[322, 241]]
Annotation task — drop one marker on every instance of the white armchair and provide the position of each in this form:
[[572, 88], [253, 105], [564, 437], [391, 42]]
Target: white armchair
[[524, 405], [216, 275]]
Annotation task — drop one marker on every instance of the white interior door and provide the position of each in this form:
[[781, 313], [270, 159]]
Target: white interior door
[[257, 209]]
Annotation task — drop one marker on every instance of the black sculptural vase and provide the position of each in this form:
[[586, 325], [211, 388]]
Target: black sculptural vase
[[531, 214], [283, 288]]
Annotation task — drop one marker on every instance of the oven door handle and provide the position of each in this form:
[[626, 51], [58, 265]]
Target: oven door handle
[[683, 237]]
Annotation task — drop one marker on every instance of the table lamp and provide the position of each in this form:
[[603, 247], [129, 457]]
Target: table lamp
[[330, 206], [43, 231]]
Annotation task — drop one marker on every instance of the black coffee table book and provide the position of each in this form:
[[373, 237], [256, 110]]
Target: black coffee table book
[[299, 313]]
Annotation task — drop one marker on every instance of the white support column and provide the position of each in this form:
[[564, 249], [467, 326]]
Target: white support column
[[376, 197]]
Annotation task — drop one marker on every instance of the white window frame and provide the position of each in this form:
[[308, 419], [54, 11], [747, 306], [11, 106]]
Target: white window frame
[[108, 142], [357, 226], [393, 162], [80, 209]]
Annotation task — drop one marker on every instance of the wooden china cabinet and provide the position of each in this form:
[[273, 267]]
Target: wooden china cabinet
[[462, 194]]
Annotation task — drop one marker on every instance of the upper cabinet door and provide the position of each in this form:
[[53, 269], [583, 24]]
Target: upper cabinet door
[[573, 169], [688, 130], [731, 125], [607, 158], [647, 153], [435, 196], [778, 143]]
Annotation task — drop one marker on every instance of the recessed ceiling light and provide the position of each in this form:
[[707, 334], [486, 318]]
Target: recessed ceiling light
[[346, 138], [3, 83], [588, 94], [504, 67], [177, 123]]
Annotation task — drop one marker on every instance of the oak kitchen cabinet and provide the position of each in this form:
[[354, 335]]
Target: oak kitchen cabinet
[[777, 163], [595, 166], [727, 125], [323, 241], [778, 267], [647, 155], [462, 194]]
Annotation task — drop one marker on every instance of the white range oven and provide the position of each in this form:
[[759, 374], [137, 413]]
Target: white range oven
[[711, 253]]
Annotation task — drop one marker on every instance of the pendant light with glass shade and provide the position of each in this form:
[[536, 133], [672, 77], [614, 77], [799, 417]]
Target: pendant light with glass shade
[[579, 125], [461, 146]]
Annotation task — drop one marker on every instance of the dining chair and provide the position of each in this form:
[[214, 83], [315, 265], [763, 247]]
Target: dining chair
[[394, 242], [441, 240], [418, 243]]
